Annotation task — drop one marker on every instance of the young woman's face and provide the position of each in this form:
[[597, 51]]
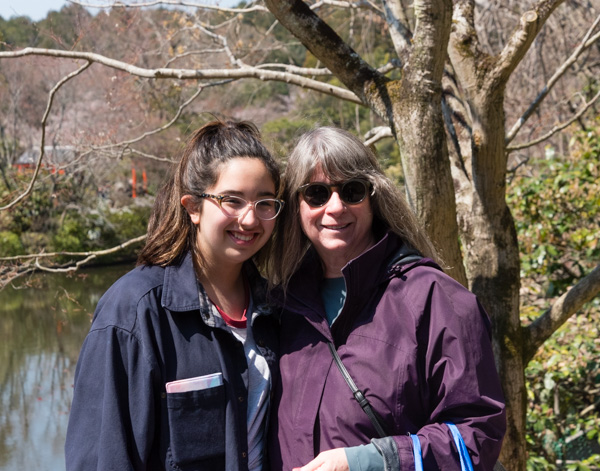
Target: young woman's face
[[338, 231], [224, 240]]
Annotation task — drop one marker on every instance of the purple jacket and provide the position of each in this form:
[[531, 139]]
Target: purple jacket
[[415, 341]]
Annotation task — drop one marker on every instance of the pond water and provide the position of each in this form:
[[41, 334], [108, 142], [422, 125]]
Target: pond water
[[42, 326]]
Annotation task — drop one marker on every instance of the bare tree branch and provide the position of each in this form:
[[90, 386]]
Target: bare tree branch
[[585, 43], [556, 128], [324, 72], [178, 3], [520, 41], [9, 274], [360, 4], [223, 40], [293, 69], [42, 141], [173, 120], [206, 6], [147, 156], [96, 253], [377, 134], [191, 74], [391, 65], [464, 50], [570, 302], [399, 27], [325, 44]]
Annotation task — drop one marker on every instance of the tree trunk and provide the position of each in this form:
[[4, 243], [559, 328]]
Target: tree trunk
[[492, 258], [493, 273], [416, 102], [429, 190]]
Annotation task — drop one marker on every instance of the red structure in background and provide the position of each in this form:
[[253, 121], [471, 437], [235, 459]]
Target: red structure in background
[[58, 158], [55, 159], [134, 182]]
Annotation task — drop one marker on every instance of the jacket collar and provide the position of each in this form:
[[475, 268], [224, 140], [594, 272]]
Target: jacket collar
[[361, 269], [390, 257], [180, 289], [362, 275], [182, 292]]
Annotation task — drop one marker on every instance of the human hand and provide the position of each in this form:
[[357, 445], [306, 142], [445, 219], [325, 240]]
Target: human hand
[[330, 460]]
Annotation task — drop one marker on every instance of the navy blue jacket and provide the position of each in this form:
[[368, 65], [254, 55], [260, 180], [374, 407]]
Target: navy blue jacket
[[156, 325]]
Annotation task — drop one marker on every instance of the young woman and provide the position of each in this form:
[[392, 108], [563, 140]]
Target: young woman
[[176, 371], [357, 274]]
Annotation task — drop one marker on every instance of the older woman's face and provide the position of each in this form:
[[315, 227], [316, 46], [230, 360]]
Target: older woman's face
[[339, 231]]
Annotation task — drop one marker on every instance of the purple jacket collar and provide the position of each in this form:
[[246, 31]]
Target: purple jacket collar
[[361, 275]]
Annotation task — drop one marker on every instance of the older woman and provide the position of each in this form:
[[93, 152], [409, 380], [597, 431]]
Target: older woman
[[354, 270]]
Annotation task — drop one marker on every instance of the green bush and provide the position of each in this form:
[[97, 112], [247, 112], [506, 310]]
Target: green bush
[[563, 390], [75, 234], [102, 230], [557, 213], [281, 134], [128, 222], [34, 213], [123, 225], [35, 242], [10, 244]]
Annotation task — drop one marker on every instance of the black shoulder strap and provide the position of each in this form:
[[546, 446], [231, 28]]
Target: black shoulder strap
[[357, 393]]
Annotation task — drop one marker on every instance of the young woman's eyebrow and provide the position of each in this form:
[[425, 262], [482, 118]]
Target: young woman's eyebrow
[[241, 194]]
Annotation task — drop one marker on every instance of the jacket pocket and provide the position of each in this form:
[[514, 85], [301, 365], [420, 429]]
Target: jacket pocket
[[197, 425]]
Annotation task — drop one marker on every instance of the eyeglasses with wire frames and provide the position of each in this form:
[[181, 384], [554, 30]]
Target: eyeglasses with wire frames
[[317, 194], [234, 206]]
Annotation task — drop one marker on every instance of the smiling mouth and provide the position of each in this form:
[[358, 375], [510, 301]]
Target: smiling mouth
[[337, 227], [242, 237]]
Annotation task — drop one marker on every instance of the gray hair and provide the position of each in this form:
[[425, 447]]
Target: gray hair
[[340, 156]]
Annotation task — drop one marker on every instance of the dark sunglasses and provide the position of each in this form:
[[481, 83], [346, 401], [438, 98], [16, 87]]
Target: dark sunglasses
[[317, 194]]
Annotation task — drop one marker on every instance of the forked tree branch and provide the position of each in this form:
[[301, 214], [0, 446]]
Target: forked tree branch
[[38, 165], [557, 128], [192, 74], [157, 130], [376, 134], [177, 3], [586, 42], [568, 304], [32, 262]]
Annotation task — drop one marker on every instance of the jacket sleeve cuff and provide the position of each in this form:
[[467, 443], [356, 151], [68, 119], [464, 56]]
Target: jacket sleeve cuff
[[364, 458], [389, 452]]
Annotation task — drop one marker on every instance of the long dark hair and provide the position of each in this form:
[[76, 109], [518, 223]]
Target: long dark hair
[[171, 233]]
